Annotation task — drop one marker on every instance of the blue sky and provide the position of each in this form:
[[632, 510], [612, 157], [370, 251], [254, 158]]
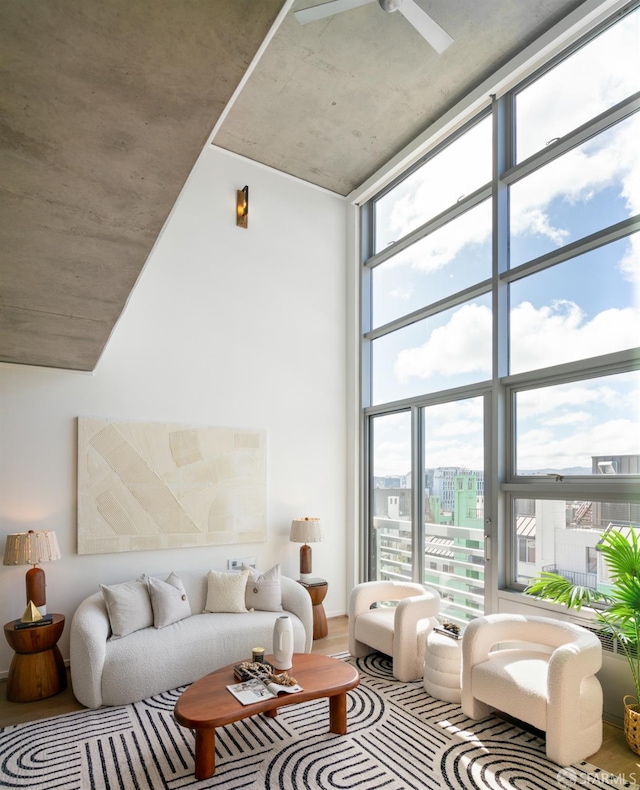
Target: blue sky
[[582, 308]]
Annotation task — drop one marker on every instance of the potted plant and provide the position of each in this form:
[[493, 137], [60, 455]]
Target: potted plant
[[617, 610]]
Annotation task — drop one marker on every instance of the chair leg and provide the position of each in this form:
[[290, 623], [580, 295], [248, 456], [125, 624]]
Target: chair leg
[[474, 708], [359, 649], [571, 745]]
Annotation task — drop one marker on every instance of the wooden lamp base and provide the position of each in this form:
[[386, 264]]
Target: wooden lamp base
[[36, 586], [305, 561]]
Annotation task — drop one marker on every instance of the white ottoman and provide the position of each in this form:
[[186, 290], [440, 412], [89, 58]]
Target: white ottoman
[[442, 666]]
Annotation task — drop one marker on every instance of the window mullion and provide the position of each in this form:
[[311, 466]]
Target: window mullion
[[417, 493], [495, 523]]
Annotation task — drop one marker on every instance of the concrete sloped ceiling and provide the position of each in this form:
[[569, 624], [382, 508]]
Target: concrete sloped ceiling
[[104, 108], [353, 89], [106, 104]]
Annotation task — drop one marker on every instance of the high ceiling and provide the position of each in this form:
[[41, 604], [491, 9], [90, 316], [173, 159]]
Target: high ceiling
[[105, 106]]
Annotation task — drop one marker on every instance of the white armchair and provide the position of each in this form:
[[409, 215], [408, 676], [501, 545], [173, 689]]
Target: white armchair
[[397, 631], [540, 671]]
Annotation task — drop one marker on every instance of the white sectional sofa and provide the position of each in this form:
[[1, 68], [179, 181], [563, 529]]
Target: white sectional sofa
[[107, 670]]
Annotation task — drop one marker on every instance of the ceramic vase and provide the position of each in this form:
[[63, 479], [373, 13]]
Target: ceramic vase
[[283, 643]]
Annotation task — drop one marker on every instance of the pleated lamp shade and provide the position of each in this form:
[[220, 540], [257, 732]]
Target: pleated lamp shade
[[33, 548], [305, 530]]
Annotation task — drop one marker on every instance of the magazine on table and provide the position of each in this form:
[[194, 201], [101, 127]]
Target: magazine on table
[[256, 690]]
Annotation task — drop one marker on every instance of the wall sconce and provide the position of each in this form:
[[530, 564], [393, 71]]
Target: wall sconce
[[242, 208]]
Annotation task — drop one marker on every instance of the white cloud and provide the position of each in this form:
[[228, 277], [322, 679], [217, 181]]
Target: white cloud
[[565, 425], [573, 421], [392, 444], [538, 449], [534, 437], [556, 400], [541, 337], [564, 99], [458, 169], [454, 434], [392, 458], [571, 418], [579, 88], [440, 248], [630, 264], [610, 159], [458, 417], [463, 345], [457, 428], [625, 153], [469, 454], [560, 332], [404, 294]]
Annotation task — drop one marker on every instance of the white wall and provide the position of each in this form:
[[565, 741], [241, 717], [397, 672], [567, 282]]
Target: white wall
[[226, 327]]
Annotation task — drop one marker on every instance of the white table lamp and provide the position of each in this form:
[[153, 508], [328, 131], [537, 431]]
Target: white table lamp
[[305, 530], [32, 548]]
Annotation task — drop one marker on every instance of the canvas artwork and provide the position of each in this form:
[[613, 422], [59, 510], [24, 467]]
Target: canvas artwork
[[145, 486]]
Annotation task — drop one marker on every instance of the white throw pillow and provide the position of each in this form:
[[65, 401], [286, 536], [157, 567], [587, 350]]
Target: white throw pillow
[[226, 591], [128, 607], [263, 590], [168, 600]]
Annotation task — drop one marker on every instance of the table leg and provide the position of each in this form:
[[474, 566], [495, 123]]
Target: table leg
[[205, 753], [338, 714]]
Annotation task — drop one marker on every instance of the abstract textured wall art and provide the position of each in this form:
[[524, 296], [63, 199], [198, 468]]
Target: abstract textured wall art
[[145, 486]]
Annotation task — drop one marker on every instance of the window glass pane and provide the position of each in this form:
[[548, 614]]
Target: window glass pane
[[459, 169], [589, 188], [591, 80], [449, 349], [579, 428], [446, 261], [565, 534], [584, 307], [390, 488], [454, 506]]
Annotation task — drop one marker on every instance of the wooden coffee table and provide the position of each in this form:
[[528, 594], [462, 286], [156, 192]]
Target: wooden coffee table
[[208, 703]]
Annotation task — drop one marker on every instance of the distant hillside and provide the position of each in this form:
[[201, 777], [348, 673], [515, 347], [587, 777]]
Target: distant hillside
[[570, 470]]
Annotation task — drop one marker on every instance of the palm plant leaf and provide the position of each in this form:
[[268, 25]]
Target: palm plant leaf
[[553, 587], [619, 618], [626, 593], [620, 615], [621, 556]]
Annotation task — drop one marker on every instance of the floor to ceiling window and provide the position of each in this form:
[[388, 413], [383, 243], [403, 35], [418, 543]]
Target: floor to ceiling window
[[501, 360]]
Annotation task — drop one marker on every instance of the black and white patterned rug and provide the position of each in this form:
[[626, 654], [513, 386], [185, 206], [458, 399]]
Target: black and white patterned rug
[[399, 738]]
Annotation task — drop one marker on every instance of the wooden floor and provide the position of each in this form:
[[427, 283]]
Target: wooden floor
[[615, 757]]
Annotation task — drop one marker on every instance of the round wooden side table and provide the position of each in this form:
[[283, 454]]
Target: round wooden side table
[[317, 592], [37, 669]]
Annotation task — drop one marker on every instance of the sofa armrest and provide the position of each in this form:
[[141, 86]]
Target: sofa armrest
[[569, 665], [90, 631], [296, 599], [410, 611]]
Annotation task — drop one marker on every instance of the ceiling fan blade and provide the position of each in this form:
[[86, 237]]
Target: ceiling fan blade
[[306, 15], [428, 29]]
